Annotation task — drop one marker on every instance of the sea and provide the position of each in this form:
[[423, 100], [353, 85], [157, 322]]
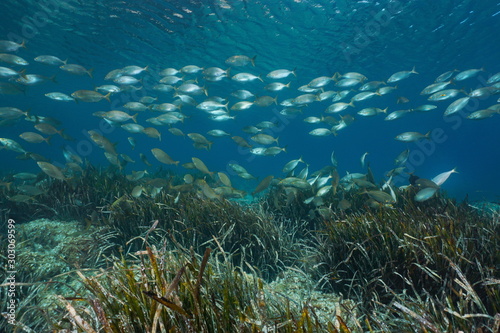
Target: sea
[[313, 38]]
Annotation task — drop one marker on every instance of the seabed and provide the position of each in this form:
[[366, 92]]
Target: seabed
[[93, 258]]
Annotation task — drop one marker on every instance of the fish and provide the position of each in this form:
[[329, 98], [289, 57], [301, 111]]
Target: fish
[[320, 82], [320, 132], [218, 133], [467, 74], [338, 107], [445, 76], [190, 69], [264, 139], [134, 70], [402, 157], [397, 114], [240, 60], [442, 177], [245, 77], [48, 129], [76, 69], [13, 59], [34, 79], [369, 112], [242, 94], [290, 166], [264, 101], [163, 157], [58, 96], [400, 76], [8, 112], [243, 105], [412, 136], [482, 114], [425, 194], [380, 196], [32, 137], [281, 73], [119, 116], [277, 86], [50, 60], [9, 73], [435, 87], [444, 95], [363, 160], [425, 108], [133, 128], [457, 105], [10, 144], [201, 166], [152, 133], [264, 184], [241, 142], [89, 96], [10, 46], [51, 170]]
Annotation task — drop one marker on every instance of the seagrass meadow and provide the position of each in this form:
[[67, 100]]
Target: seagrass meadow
[[93, 258]]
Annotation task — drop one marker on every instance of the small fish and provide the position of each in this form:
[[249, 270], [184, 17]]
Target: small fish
[[76, 69], [50, 60], [456, 106], [281, 73], [442, 177], [89, 96], [57, 96], [163, 157], [264, 139], [51, 170], [402, 157], [277, 86], [191, 69], [242, 94], [119, 116], [397, 114], [10, 144], [218, 133], [10, 46], [320, 82], [133, 128], [32, 137], [241, 142], [425, 108], [320, 132], [243, 105], [444, 94], [240, 60], [201, 166], [245, 77], [482, 114], [467, 74], [412, 136], [363, 159], [425, 194], [401, 75], [13, 59], [11, 113], [264, 184]]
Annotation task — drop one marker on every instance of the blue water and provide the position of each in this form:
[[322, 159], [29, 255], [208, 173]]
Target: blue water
[[317, 38]]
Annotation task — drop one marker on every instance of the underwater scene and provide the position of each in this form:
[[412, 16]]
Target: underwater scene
[[250, 166]]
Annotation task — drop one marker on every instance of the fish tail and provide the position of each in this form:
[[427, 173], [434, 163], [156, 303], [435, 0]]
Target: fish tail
[[107, 97], [89, 72], [134, 118], [252, 60]]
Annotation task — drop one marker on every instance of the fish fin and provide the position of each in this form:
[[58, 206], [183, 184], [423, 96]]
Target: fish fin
[[134, 118], [413, 70], [252, 60], [293, 72], [47, 139], [107, 97], [53, 78], [89, 72]]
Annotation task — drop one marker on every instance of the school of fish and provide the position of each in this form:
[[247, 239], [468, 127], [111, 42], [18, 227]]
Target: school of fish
[[167, 107]]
